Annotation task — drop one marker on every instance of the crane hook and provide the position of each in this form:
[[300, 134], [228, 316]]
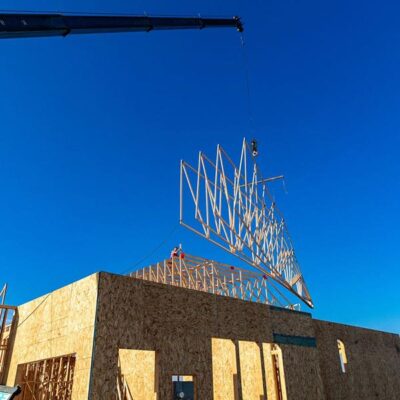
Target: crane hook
[[254, 148]]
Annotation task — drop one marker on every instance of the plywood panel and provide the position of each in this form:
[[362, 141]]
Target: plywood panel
[[180, 324], [224, 369], [251, 371], [59, 323], [138, 369], [176, 322]]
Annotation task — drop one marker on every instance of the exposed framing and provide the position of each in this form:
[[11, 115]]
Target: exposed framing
[[209, 276], [7, 325], [49, 379], [123, 392], [232, 207]]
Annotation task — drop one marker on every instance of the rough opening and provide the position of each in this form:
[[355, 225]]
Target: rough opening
[[342, 355], [225, 376], [251, 371], [51, 378], [276, 385], [137, 375], [183, 387]]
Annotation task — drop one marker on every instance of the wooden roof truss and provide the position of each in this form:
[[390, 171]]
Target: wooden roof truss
[[231, 206], [213, 277]]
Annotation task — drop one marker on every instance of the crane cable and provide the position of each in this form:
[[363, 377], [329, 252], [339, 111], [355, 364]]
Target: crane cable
[[158, 247], [245, 61], [124, 272]]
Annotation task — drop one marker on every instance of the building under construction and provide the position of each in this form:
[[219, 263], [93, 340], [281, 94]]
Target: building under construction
[[189, 327], [193, 328]]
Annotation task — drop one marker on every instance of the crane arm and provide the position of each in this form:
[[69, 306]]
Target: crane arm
[[34, 25]]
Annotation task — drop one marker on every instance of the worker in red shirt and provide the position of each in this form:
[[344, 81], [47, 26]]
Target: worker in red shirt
[[177, 252]]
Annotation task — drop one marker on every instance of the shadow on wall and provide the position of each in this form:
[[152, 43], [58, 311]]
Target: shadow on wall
[[235, 386], [253, 369]]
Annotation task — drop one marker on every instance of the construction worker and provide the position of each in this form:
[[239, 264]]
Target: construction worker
[[175, 252]]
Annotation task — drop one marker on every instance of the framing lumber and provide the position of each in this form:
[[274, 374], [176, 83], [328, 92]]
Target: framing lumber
[[7, 326], [209, 276]]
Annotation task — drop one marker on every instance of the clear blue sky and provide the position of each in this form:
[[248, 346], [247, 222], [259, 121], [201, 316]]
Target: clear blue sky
[[93, 128]]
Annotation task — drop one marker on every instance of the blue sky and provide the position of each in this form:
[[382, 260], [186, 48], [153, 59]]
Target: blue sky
[[93, 128]]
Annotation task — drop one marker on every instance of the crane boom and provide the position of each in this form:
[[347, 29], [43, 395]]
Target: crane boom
[[34, 25]]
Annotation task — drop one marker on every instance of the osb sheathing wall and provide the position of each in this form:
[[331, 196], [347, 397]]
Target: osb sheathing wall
[[303, 377], [179, 324], [373, 362], [59, 323]]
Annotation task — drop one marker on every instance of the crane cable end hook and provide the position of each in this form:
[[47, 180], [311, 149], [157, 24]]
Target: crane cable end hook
[[254, 148]]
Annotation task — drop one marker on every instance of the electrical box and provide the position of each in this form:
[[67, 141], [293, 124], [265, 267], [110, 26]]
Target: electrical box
[[183, 387]]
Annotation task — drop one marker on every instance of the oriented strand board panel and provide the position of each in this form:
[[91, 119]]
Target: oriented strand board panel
[[175, 322], [154, 317], [59, 323], [373, 362], [302, 374], [288, 322], [138, 369], [224, 368], [179, 324], [300, 363], [251, 371]]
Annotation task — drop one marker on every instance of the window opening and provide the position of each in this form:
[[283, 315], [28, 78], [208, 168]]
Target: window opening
[[342, 355], [278, 371], [183, 387]]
